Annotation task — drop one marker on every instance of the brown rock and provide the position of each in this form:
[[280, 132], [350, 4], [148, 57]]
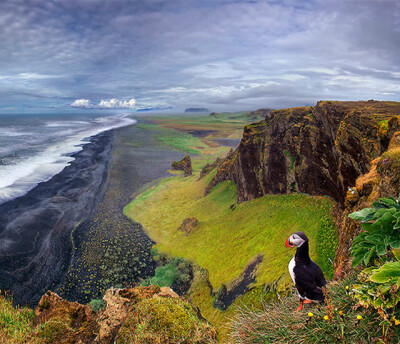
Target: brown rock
[[167, 292], [75, 322], [183, 165], [209, 167], [188, 225], [113, 316]]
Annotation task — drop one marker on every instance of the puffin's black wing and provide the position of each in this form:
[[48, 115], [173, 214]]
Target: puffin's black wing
[[309, 281]]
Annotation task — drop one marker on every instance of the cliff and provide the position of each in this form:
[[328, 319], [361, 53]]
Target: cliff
[[137, 315], [320, 150]]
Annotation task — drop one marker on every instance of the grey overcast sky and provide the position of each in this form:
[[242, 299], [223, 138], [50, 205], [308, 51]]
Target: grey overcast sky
[[71, 55]]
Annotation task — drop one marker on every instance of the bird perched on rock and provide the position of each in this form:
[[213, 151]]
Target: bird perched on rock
[[306, 275]]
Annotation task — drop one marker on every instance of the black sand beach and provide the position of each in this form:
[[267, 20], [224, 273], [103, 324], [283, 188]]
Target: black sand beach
[[68, 234]]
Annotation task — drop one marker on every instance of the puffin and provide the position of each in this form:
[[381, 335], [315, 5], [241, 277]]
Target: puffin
[[306, 275]]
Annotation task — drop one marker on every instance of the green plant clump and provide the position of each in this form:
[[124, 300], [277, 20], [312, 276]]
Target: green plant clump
[[377, 248], [176, 274], [166, 321], [97, 304], [381, 225]]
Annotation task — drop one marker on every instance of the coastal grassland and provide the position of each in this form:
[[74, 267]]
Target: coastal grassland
[[219, 125], [228, 235], [226, 240]]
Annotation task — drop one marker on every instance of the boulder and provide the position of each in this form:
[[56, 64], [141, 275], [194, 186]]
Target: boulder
[[183, 165], [188, 225]]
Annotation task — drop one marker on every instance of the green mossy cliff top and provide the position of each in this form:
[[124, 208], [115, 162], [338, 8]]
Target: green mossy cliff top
[[319, 150], [137, 315]]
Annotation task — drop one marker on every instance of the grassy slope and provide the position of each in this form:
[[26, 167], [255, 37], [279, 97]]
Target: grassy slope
[[225, 241]]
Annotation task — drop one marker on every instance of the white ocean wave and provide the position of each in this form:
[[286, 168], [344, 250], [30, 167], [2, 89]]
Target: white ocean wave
[[17, 179]]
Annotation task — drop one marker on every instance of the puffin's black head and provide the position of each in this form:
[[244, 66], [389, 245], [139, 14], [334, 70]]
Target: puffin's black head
[[296, 239]]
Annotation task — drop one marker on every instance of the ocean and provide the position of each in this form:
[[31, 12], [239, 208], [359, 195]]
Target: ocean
[[34, 148]]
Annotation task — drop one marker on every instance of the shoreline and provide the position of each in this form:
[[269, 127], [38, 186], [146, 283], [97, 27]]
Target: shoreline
[[35, 227], [50, 237]]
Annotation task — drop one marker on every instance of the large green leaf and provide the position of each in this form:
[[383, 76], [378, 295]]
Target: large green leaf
[[376, 239], [396, 254], [385, 221], [394, 242], [389, 271], [388, 202], [381, 250], [359, 215], [378, 205], [368, 255], [378, 214], [357, 258]]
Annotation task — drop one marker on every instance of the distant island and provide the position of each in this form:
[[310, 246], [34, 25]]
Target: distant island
[[197, 110]]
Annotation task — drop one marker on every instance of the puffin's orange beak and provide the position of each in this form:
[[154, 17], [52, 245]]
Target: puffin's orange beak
[[288, 243]]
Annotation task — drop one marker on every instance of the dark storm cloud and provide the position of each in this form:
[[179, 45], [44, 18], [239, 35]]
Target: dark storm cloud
[[220, 54]]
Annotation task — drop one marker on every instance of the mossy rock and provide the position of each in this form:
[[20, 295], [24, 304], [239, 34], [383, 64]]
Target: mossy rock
[[167, 321]]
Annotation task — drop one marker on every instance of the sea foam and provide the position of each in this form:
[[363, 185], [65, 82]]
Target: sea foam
[[20, 175]]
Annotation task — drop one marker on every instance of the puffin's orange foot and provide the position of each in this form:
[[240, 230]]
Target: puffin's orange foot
[[300, 307], [307, 301]]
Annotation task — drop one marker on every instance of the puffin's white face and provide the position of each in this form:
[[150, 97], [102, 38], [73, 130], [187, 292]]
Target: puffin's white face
[[295, 240]]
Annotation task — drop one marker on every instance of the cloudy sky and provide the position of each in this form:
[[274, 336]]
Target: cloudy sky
[[86, 55]]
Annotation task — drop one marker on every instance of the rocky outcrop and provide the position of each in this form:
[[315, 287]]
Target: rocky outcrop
[[258, 114], [319, 150], [188, 225], [183, 165], [207, 168], [63, 321], [137, 315]]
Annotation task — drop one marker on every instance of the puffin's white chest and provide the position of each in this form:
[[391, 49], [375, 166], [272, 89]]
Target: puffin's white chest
[[291, 266]]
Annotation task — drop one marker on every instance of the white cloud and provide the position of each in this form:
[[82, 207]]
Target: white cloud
[[82, 103], [112, 103]]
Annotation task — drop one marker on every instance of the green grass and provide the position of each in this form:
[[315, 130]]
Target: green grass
[[16, 323], [225, 241], [335, 322], [223, 235], [179, 141]]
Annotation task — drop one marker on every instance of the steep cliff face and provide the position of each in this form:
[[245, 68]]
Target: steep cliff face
[[319, 150]]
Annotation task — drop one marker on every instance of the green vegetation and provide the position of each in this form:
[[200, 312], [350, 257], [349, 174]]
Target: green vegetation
[[377, 248], [165, 321], [227, 238], [220, 125], [339, 321], [381, 225], [291, 158], [252, 227], [176, 274], [16, 323], [180, 141], [96, 305]]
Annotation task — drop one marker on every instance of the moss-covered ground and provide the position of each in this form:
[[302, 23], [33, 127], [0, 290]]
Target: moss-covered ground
[[226, 240]]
